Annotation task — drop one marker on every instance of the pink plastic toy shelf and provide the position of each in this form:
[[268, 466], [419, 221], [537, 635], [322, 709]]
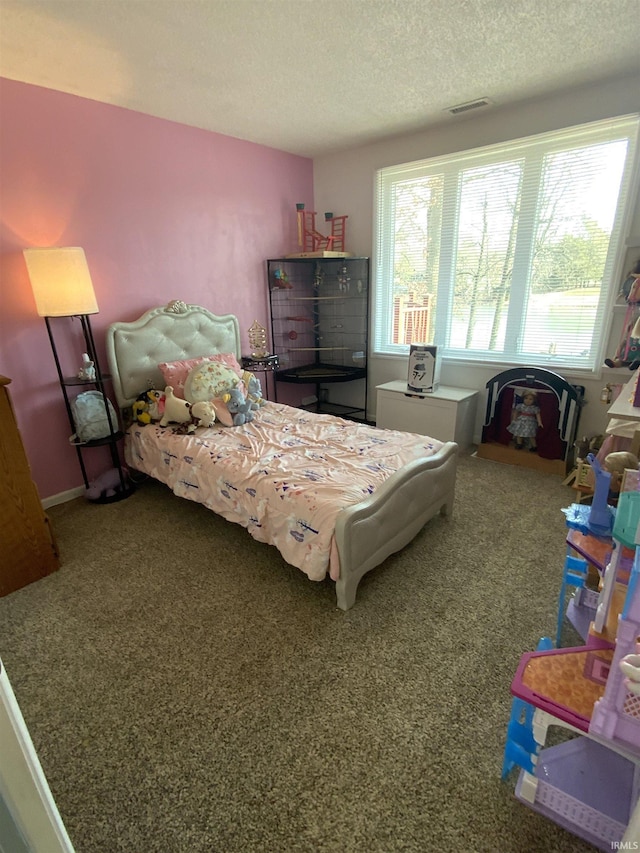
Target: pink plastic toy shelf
[[591, 551], [555, 681], [579, 785], [590, 784]]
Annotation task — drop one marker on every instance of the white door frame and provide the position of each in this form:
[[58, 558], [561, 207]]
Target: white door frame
[[23, 785]]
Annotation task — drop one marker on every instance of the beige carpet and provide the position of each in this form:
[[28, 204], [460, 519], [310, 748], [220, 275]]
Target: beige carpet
[[188, 692]]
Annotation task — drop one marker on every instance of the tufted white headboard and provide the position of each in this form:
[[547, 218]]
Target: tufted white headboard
[[172, 332]]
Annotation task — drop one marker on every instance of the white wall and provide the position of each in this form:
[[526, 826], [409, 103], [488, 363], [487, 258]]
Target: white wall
[[344, 183]]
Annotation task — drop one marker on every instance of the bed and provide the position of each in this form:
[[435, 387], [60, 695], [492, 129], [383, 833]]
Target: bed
[[334, 496]]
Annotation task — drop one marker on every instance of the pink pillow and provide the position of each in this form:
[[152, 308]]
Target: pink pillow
[[175, 372]]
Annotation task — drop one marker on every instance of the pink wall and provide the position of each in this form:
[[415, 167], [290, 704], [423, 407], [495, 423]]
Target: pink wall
[[162, 210]]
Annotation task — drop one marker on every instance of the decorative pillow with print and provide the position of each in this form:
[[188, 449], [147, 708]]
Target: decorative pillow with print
[[175, 373], [210, 381]]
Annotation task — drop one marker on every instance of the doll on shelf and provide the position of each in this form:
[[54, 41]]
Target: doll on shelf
[[88, 370], [616, 464], [525, 421], [628, 352]]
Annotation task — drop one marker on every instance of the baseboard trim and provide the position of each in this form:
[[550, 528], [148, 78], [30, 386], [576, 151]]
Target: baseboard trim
[[63, 497]]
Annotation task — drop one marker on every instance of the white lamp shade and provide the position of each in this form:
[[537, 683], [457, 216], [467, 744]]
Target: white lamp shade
[[61, 282]]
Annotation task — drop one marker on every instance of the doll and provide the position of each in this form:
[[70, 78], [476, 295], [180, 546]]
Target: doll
[[88, 371], [525, 421], [616, 464], [628, 352]]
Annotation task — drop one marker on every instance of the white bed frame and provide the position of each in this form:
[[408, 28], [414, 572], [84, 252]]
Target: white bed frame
[[366, 533]]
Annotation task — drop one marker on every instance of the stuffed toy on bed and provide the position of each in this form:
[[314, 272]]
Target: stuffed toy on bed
[[239, 406], [254, 389], [203, 414], [176, 411], [220, 385], [188, 416], [148, 407], [209, 381]]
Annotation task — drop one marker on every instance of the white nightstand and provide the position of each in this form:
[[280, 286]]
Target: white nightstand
[[448, 414]]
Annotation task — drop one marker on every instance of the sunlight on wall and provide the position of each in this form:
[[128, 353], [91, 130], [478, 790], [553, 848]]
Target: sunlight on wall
[[105, 73], [36, 215]]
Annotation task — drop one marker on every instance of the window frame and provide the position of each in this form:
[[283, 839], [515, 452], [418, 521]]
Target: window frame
[[451, 165]]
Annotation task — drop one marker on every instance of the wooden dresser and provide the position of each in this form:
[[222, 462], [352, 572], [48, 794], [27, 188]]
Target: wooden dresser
[[27, 546]]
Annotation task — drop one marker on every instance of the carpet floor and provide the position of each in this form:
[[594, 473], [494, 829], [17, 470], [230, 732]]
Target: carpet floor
[[189, 692]]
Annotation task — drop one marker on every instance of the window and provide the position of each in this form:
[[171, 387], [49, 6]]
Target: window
[[508, 253]]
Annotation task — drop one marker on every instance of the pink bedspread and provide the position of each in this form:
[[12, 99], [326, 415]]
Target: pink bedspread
[[285, 476]]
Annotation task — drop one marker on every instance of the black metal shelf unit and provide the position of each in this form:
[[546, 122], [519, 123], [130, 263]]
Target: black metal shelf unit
[[319, 328], [100, 382]]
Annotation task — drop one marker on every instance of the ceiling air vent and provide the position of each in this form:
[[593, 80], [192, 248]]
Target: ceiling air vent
[[470, 105]]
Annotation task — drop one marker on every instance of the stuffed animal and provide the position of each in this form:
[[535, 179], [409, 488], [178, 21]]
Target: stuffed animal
[[175, 410], [188, 416], [209, 381], [107, 485], [212, 383], [203, 414], [254, 389], [140, 412], [88, 370], [238, 406], [148, 407]]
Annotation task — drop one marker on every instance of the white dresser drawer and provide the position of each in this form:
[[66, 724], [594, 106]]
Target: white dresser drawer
[[447, 414]]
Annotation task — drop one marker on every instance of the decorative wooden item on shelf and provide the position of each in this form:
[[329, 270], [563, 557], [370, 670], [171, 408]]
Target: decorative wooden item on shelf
[[313, 243], [258, 340]]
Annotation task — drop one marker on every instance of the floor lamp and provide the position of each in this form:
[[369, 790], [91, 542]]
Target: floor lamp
[[62, 287]]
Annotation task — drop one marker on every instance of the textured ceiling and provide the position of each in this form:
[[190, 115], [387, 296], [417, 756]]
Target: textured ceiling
[[314, 76]]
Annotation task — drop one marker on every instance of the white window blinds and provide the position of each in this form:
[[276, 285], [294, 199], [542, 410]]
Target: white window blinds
[[507, 253]]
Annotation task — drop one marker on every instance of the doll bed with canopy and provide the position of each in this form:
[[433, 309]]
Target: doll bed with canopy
[[560, 403]]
